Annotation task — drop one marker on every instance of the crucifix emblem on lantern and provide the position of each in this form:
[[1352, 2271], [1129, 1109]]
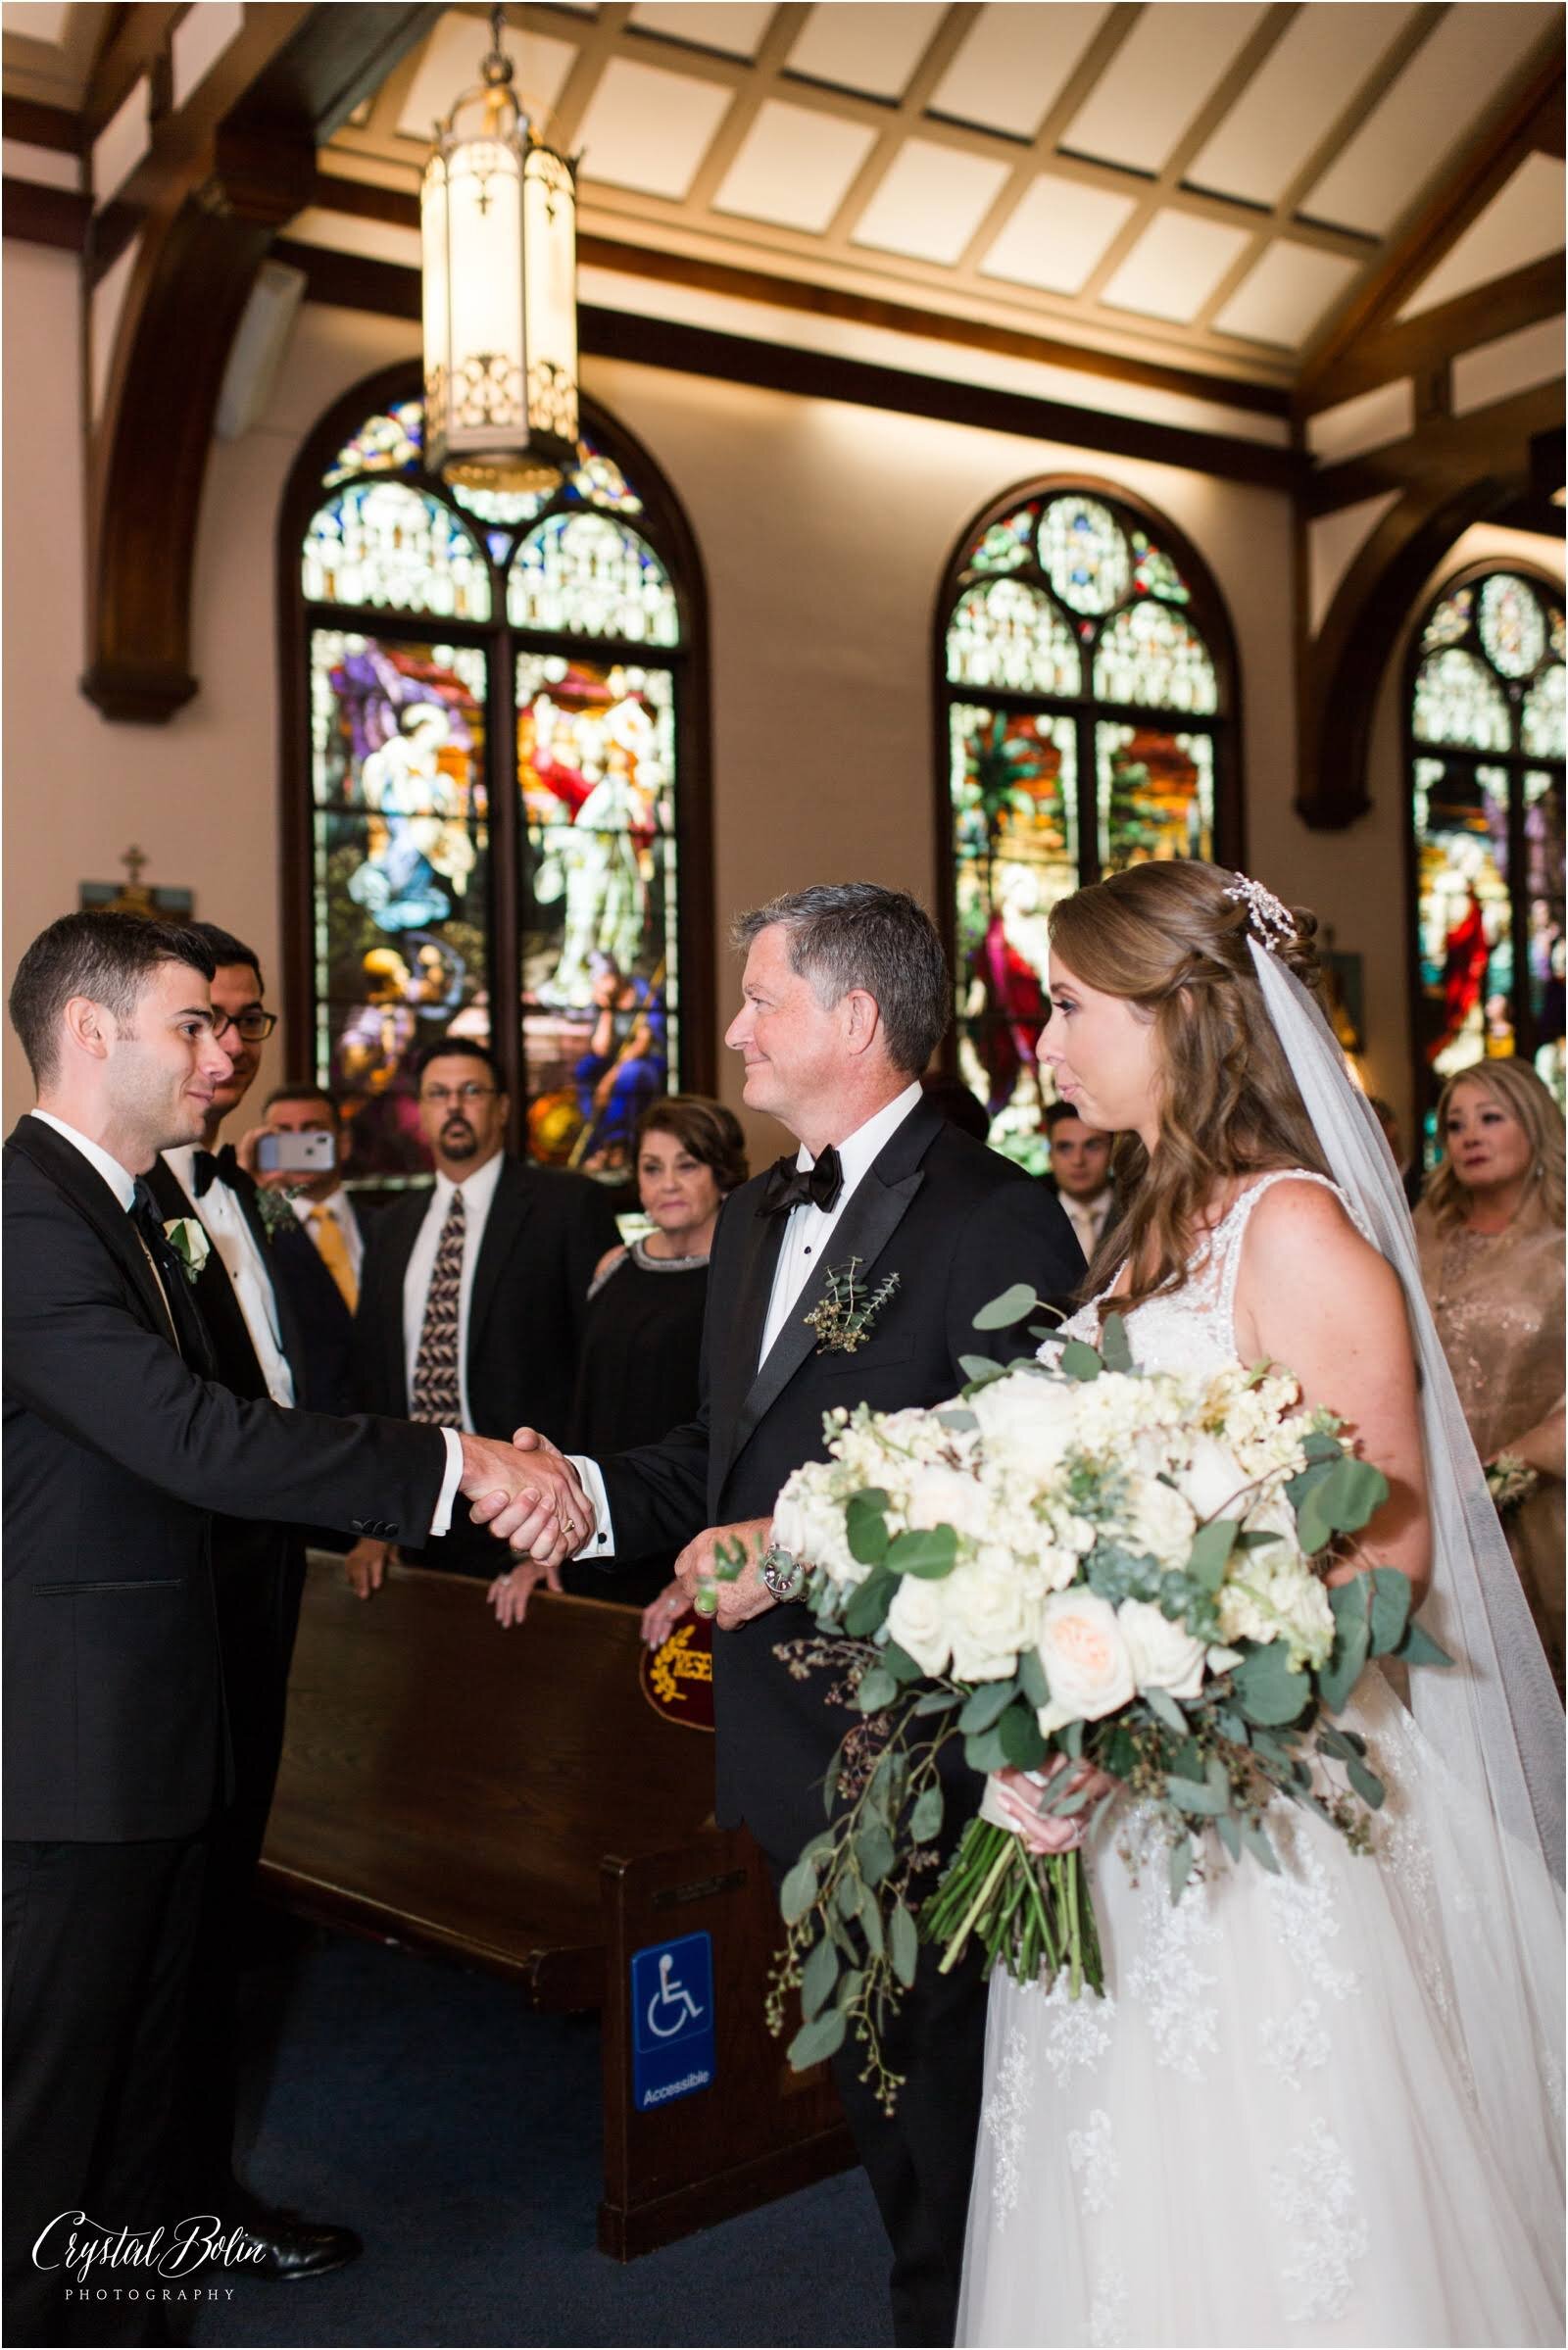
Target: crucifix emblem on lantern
[[497, 218]]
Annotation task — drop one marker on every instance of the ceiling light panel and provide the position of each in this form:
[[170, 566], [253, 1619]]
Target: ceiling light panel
[[1282, 301], [1522, 223], [450, 65], [1175, 266], [648, 130], [732, 26], [865, 47], [1161, 75], [1296, 95], [930, 202], [795, 166], [1057, 235], [1015, 64], [1433, 107]]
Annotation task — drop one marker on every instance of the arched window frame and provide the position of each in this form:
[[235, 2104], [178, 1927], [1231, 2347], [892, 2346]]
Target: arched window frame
[[1517, 763], [1205, 607], [662, 523]]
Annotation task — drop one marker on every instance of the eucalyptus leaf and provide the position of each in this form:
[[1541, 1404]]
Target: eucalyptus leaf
[[900, 1664], [1116, 1349], [1080, 1361], [873, 1849], [867, 1531], [877, 1688], [1189, 1795], [798, 1891], [1366, 1784], [958, 1419], [1418, 1647], [1391, 1609], [937, 1701], [925, 1818], [1344, 1667], [1032, 1678], [986, 1704], [868, 1604], [1181, 1866], [927, 1551], [985, 1753], [822, 2036], [1011, 1306], [817, 1977], [980, 1369], [1164, 1708], [1230, 1833], [1211, 1548], [1266, 1690], [871, 1927], [903, 1944], [1021, 1741], [850, 1895], [1256, 1840]]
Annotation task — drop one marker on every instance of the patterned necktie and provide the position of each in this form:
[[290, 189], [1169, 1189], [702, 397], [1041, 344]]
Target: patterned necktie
[[437, 1386], [146, 1224], [334, 1249]]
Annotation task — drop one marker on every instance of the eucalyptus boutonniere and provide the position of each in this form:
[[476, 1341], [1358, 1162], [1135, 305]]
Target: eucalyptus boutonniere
[[190, 1243], [844, 1318], [276, 1209]]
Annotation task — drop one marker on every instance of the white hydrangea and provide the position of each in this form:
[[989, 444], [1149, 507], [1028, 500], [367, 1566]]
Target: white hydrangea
[[1160, 1523], [1287, 1602]]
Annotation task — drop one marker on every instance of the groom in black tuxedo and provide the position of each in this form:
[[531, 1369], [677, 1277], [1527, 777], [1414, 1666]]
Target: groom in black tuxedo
[[847, 994], [120, 1445]]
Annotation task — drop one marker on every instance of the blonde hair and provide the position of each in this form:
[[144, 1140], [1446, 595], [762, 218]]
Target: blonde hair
[[1166, 939], [1516, 1089]]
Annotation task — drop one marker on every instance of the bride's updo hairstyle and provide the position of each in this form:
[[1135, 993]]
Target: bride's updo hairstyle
[[1167, 940]]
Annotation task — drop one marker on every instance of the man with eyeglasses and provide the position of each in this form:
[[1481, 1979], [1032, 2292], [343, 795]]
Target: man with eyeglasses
[[258, 1576], [473, 1293]]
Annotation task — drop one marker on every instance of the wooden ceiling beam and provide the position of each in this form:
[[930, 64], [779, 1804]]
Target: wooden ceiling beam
[[1413, 346], [35, 125], [139, 46], [224, 174], [1490, 164]]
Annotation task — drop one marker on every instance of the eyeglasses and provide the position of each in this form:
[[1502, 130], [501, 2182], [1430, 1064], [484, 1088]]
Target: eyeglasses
[[254, 1026], [440, 1096]]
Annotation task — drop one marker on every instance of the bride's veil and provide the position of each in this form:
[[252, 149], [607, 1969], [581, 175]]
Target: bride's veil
[[1494, 1720]]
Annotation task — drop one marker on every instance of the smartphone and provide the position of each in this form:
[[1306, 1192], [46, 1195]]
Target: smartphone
[[314, 1152]]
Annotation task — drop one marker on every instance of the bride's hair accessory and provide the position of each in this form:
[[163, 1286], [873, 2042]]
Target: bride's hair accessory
[[1268, 917]]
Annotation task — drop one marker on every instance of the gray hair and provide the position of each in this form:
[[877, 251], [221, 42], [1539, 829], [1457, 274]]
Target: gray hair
[[845, 935]]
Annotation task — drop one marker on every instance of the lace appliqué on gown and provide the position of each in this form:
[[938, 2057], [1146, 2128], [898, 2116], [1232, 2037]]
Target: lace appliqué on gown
[[1313, 2191], [1003, 2116]]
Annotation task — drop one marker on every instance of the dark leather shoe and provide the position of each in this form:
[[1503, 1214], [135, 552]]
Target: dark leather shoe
[[281, 2245]]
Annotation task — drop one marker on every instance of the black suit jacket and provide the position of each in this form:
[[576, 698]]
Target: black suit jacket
[[117, 1452], [542, 1238], [959, 1224], [327, 1366]]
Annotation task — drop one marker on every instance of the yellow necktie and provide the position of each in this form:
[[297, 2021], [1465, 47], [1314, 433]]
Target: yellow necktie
[[328, 1234]]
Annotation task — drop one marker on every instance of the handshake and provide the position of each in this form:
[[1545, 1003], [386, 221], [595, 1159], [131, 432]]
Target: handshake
[[528, 1494]]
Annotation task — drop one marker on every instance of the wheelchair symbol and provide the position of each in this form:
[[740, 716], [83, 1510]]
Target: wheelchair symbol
[[673, 2003]]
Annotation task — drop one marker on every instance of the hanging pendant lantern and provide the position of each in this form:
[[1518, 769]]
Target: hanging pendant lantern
[[497, 218]]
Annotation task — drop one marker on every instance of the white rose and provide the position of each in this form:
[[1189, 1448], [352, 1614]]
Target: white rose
[[935, 1495], [809, 1525], [1164, 1656], [987, 1607], [1086, 1659], [1026, 1419], [1162, 1524], [918, 1621], [1212, 1478]]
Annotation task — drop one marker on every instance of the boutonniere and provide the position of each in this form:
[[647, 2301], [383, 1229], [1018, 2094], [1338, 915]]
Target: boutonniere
[[844, 1318], [190, 1243], [276, 1209]]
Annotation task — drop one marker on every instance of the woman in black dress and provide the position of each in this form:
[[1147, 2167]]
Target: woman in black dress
[[638, 1370]]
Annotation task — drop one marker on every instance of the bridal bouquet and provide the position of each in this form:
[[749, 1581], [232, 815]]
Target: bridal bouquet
[[1073, 1563]]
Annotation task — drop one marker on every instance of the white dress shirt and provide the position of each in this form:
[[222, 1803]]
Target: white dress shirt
[[479, 1194], [340, 1207], [1087, 1218], [807, 1235], [119, 1181], [249, 1275]]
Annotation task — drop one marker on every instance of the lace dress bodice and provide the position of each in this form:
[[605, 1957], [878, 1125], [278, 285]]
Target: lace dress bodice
[[1194, 1328]]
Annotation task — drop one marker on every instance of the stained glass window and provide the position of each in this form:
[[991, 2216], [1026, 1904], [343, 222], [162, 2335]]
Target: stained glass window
[[444, 636], [1486, 699], [1084, 730]]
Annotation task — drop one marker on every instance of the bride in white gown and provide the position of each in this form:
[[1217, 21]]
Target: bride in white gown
[[1323, 2106]]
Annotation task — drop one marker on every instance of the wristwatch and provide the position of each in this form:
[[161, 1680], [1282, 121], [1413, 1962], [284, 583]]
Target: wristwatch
[[782, 1572]]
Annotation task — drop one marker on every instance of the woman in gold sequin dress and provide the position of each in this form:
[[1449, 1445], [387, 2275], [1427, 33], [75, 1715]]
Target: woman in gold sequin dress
[[1490, 1234]]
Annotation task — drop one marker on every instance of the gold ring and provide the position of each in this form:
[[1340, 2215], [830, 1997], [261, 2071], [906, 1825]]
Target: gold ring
[[569, 1526]]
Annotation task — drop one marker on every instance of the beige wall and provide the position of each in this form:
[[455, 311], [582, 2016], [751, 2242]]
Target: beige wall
[[823, 528]]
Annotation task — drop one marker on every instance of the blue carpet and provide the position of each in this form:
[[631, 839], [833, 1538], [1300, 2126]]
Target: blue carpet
[[424, 2106]]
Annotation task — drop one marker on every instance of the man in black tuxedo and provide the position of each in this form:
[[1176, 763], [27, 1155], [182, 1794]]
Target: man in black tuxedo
[[475, 1291], [318, 1264], [119, 1448], [259, 1581], [845, 997]]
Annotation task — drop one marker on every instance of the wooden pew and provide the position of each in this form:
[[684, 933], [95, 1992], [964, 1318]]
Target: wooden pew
[[510, 1799]]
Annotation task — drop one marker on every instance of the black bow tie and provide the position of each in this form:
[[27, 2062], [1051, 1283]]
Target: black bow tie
[[789, 1186], [210, 1167]]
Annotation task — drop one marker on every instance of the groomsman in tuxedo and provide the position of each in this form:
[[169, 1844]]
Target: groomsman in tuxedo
[[475, 1291], [847, 994], [259, 1579], [119, 1447], [319, 1267]]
